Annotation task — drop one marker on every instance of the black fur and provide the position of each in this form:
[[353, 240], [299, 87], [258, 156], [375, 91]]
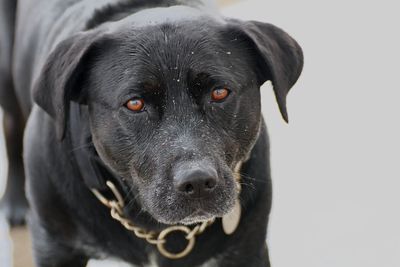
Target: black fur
[[89, 59]]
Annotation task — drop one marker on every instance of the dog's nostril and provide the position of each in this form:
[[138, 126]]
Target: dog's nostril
[[210, 183], [189, 188]]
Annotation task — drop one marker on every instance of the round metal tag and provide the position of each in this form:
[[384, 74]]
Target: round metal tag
[[231, 220]]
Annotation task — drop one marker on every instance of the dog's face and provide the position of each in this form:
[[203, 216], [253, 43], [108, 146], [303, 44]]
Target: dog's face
[[175, 107]]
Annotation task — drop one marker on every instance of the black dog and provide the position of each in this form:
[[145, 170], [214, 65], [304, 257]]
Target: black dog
[[159, 98]]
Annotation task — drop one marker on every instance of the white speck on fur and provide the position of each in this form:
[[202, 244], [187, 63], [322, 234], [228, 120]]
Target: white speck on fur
[[152, 261], [210, 263]]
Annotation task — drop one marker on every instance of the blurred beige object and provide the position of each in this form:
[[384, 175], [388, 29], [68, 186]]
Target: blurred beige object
[[22, 252]]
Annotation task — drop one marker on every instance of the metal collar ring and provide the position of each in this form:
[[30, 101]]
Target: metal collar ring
[[177, 228]]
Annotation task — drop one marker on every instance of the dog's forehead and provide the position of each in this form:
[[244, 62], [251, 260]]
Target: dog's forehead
[[171, 46], [166, 30], [171, 51], [173, 56]]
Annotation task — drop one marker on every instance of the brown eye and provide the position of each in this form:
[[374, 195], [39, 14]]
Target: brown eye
[[135, 104], [219, 94]]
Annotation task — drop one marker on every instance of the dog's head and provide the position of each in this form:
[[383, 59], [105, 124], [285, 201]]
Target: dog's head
[[174, 105]]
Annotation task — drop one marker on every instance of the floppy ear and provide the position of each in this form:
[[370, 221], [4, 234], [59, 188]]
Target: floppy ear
[[59, 80], [279, 57]]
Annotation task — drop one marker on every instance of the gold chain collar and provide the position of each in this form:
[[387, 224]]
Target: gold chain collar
[[159, 239]]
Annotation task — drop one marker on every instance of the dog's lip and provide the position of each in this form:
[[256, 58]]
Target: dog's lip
[[197, 216], [199, 212]]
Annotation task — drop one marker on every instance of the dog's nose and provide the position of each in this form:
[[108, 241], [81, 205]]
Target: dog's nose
[[195, 182]]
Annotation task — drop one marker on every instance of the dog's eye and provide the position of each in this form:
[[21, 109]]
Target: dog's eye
[[135, 104], [220, 94]]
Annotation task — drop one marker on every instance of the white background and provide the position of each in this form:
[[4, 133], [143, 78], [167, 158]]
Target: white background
[[336, 173], [336, 167]]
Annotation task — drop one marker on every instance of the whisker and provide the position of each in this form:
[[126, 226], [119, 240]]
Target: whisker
[[247, 177]]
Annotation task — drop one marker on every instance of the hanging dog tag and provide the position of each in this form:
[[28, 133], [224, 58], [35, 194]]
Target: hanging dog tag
[[231, 220]]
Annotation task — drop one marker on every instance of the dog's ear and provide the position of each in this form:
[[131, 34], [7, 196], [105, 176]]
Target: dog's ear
[[278, 56], [59, 81]]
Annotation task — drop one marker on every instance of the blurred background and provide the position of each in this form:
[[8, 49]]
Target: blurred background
[[336, 168]]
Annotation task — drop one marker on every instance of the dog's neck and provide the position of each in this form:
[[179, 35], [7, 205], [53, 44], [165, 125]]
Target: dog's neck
[[84, 152]]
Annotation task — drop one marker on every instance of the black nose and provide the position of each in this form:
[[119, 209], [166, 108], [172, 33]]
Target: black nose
[[195, 182]]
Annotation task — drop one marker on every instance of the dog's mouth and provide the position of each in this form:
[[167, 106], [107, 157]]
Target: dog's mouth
[[193, 212], [197, 216]]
